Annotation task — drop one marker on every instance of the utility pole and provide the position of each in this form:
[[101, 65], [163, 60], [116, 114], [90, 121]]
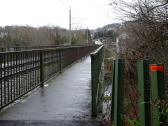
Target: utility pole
[[70, 26], [87, 36]]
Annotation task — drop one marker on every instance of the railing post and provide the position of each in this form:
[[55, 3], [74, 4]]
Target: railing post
[[157, 91], [78, 53], [144, 91], [60, 60], [41, 68], [93, 71], [113, 91], [119, 92], [100, 81], [96, 63]]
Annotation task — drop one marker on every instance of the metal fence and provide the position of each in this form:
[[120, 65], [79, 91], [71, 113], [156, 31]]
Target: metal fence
[[22, 71], [139, 98]]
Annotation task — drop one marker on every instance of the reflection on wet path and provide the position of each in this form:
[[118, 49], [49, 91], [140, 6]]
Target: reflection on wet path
[[65, 97]]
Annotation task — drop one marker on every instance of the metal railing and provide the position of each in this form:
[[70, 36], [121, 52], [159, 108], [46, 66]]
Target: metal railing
[[149, 94], [96, 65], [22, 71]]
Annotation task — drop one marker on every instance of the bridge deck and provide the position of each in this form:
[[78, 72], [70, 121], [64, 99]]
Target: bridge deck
[[63, 100]]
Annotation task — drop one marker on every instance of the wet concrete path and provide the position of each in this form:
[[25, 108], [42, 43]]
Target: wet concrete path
[[64, 100]]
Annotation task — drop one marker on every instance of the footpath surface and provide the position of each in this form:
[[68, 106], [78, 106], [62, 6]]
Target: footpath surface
[[65, 100]]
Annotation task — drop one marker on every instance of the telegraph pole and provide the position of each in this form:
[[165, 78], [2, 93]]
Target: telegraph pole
[[87, 36], [70, 26]]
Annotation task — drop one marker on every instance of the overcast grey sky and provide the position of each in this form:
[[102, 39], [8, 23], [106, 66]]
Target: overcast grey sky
[[85, 13]]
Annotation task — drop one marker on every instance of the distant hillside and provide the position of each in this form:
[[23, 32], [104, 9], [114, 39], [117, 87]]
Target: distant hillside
[[107, 31], [110, 27]]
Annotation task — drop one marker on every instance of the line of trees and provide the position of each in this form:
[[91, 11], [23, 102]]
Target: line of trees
[[11, 36]]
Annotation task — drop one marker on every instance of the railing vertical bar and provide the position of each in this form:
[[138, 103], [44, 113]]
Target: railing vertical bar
[[157, 92], [93, 70], [11, 79], [119, 92], [41, 68], [8, 86], [35, 58], [144, 90], [19, 56], [11, 72], [113, 91], [29, 57], [14, 71], [1, 71], [24, 68], [33, 75], [60, 60], [5, 80], [21, 76]]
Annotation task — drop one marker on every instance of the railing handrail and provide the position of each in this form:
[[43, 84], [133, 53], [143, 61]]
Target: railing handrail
[[52, 46], [96, 51], [45, 49]]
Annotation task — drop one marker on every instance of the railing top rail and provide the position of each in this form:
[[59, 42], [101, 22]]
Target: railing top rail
[[96, 51], [46, 49], [43, 47], [21, 51]]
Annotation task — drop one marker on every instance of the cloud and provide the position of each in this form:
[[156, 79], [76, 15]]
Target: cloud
[[42, 12]]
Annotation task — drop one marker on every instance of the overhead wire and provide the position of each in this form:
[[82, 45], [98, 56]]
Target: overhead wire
[[64, 4]]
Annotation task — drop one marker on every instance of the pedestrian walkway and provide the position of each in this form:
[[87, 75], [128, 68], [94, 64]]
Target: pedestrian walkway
[[65, 100]]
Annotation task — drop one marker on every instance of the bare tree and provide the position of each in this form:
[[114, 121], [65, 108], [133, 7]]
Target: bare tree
[[146, 27]]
